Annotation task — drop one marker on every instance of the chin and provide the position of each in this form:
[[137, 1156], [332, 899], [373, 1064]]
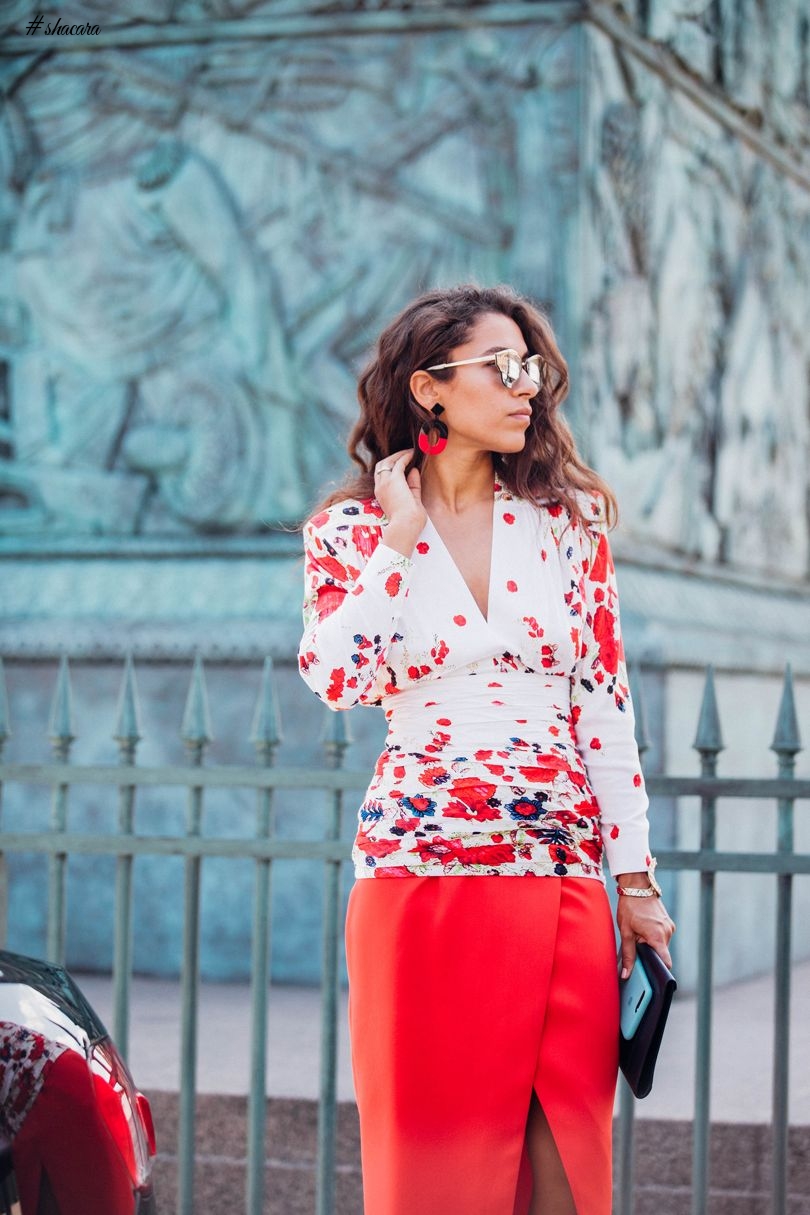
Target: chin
[[509, 446]]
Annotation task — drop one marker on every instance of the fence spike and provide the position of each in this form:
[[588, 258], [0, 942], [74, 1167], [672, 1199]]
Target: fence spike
[[642, 737], [708, 740], [196, 728], [61, 723], [5, 719], [336, 735], [128, 722], [786, 740], [265, 731]]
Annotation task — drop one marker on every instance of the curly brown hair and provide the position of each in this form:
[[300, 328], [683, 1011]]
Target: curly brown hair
[[548, 467]]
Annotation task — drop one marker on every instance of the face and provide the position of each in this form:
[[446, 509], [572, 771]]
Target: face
[[480, 413]]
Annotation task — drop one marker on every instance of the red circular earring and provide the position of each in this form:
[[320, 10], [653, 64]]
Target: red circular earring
[[426, 429]]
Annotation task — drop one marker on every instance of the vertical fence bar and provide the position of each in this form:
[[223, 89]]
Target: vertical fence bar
[[708, 743], [196, 734], [127, 735], [265, 736], [337, 739], [626, 1147], [786, 744], [5, 731], [60, 731]]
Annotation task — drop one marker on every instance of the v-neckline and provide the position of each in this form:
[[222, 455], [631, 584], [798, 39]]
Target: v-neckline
[[487, 620]]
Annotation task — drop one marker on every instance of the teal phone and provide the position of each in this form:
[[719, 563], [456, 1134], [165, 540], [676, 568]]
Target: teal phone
[[635, 993]]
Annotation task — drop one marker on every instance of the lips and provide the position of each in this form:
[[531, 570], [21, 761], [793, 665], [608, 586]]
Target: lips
[[522, 413]]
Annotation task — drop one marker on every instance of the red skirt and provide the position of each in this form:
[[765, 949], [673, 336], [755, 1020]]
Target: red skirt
[[465, 993]]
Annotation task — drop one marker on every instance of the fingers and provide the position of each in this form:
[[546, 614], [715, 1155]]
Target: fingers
[[628, 953], [400, 496], [392, 467], [414, 479], [395, 462], [644, 920], [399, 459], [628, 960], [658, 939], [664, 953]]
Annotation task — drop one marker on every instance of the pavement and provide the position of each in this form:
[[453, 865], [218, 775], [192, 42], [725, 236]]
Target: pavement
[[742, 1045]]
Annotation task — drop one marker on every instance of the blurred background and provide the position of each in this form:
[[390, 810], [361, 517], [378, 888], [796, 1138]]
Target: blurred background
[[210, 208]]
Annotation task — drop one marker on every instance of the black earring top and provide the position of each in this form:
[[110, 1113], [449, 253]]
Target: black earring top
[[437, 409]]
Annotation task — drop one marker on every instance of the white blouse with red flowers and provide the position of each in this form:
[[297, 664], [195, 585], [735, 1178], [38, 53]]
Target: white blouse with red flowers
[[511, 746]]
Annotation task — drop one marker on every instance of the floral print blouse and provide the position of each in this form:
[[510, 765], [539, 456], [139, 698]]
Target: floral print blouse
[[511, 746]]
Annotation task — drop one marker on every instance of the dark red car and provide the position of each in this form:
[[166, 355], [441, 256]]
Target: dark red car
[[76, 1136]]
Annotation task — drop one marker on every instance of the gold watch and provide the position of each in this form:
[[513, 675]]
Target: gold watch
[[647, 892]]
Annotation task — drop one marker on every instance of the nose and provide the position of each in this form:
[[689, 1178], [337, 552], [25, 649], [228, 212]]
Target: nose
[[524, 385]]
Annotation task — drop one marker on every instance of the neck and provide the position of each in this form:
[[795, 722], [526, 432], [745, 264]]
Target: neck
[[454, 483]]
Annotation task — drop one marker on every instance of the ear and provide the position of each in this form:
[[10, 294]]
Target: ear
[[424, 388]]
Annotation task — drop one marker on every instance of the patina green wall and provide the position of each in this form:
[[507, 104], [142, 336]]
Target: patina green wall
[[210, 208], [204, 238]]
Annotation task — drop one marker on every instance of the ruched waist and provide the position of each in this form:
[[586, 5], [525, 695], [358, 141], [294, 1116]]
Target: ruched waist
[[480, 773], [480, 709]]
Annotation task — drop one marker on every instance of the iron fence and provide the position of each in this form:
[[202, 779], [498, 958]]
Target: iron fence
[[264, 847]]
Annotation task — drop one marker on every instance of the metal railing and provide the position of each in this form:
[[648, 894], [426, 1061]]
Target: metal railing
[[785, 864], [58, 843]]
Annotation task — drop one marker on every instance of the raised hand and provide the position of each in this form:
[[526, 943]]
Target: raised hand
[[401, 499]]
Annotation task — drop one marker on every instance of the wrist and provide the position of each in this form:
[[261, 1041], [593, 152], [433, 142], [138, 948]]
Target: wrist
[[640, 883], [639, 880]]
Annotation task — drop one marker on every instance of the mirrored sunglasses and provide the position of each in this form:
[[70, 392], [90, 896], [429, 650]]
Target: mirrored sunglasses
[[509, 364]]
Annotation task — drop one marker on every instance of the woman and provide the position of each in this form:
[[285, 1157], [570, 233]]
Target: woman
[[464, 582]]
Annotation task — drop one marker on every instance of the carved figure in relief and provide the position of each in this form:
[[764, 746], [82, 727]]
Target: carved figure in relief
[[204, 249], [693, 359], [146, 329]]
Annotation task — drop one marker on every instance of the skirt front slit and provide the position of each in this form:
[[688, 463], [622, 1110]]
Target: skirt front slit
[[465, 994]]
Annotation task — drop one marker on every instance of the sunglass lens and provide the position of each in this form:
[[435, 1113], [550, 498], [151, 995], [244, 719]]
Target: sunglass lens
[[552, 376], [508, 363], [535, 367]]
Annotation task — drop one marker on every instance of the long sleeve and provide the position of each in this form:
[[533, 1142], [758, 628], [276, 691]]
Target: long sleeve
[[355, 588], [602, 708]]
